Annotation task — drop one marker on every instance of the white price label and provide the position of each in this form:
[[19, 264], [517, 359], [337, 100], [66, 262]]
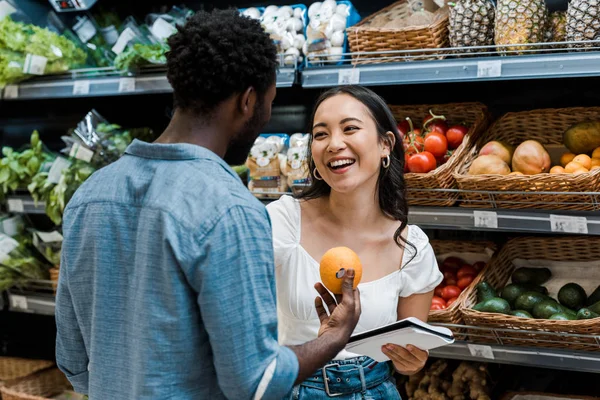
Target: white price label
[[35, 65], [11, 92], [481, 351], [58, 166], [81, 88], [567, 224], [12, 226], [485, 219], [18, 302], [349, 76], [6, 9], [123, 40], [7, 244], [162, 29], [489, 69], [50, 237], [81, 153], [126, 85], [85, 29], [15, 205]]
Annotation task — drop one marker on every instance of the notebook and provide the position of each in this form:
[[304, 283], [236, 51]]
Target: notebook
[[407, 331]]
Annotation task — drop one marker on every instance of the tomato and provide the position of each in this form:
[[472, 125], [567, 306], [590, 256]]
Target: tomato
[[438, 126], [456, 135], [479, 265], [413, 144], [449, 275], [436, 143], [422, 163], [403, 128], [466, 270], [450, 291], [453, 263], [438, 290], [465, 281], [438, 300], [406, 157], [452, 300], [435, 307]]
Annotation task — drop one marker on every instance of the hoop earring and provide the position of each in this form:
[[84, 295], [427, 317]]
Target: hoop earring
[[385, 162], [317, 175]]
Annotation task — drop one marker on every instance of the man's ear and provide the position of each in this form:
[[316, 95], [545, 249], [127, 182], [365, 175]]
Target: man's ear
[[247, 101]]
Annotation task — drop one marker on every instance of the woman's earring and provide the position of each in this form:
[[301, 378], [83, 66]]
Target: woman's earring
[[317, 175], [385, 162]]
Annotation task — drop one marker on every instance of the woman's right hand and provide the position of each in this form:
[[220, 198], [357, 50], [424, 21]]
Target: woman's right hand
[[344, 314]]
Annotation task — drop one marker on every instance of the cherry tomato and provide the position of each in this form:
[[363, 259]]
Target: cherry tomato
[[453, 263], [452, 300], [438, 126], [422, 163], [450, 275], [436, 307], [438, 300], [438, 290], [450, 291], [451, 282], [456, 135], [413, 144], [466, 270], [465, 281], [406, 157], [436, 143], [479, 265], [403, 127]]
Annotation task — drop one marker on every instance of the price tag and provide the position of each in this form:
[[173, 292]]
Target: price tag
[[486, 219], [126, 85], [6, 9], [85, 29], [15, 205], [11, 92], [489, 69], [7, 244], [35, 65], [81, 153], [18, 302], [50, 237], [123, 40], [162, 29], [349, 76], [58, 166], [567, 224], [12, 226], [480, 351], [81, 88]]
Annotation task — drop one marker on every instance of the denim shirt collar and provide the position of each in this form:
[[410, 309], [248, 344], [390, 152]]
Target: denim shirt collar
[[174, 152]]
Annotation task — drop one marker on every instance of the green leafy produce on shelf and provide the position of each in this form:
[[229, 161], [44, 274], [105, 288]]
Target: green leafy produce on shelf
[[140, 55], [19, 263]]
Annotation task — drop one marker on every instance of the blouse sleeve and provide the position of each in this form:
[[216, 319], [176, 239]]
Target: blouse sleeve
[[421, 274], [285, 225]]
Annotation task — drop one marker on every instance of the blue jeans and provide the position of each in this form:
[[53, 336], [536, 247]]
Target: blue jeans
[[359, 378]]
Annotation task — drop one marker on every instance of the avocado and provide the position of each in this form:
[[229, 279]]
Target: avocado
[[595, 307], [572, 295], [485, 292], [585, 313], [514, 290], [594, 297], [546, 308], [521, 314], [493, 305], [537, 276], [528, 300], [562, 317]]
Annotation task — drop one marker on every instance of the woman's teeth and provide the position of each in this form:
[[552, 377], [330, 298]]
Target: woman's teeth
[[341, 163]]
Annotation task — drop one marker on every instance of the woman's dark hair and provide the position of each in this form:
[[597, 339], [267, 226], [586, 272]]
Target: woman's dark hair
[[391, 186]]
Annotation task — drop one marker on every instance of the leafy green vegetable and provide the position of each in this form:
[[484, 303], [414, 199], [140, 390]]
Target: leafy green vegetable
[[21, 264], [140, 55]]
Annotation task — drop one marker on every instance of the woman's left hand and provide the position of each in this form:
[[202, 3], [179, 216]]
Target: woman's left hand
[[407, 361]]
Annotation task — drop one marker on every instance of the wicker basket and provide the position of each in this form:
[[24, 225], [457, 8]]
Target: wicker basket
[[14, 369], [364, 37], [547, 127], [475, 115], [498, 273], [452, 314], [41, 386]]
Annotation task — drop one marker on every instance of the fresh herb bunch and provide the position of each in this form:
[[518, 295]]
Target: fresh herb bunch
[[140, 55], [20, 264], [60, 194]]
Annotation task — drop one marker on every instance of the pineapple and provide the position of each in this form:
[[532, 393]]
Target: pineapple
[[472, 23], [583, 21], [557, 27], [520, 22]]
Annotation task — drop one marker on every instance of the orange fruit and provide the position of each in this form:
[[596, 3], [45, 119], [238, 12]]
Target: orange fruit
[[595, 162], [516, 173], [596, 153], [557, 170], [584, 160], [566, 158], [572, 167], [580, 171], [335, 263], [595, 167]]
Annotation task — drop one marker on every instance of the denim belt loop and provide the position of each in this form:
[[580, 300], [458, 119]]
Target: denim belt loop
[[363, 382]]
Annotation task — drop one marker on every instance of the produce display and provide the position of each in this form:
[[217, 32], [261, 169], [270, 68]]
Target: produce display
[[432, 145], [20, 261], [458, 275], [472, 23]]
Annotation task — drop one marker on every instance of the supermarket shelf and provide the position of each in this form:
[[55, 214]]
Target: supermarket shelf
[[535, 66], [24, 204], [38, 303]]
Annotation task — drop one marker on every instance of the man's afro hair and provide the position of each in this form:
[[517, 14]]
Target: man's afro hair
[[217, 54]]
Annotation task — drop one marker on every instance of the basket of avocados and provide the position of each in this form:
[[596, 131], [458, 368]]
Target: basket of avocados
[[539, 292]]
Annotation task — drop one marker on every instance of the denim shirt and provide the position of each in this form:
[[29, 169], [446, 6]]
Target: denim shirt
[[167, 286]]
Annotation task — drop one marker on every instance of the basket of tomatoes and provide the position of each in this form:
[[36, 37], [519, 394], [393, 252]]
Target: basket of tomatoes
[[460, 262], [436, 138]]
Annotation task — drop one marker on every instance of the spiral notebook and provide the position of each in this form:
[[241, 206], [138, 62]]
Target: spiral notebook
[[407, 331]]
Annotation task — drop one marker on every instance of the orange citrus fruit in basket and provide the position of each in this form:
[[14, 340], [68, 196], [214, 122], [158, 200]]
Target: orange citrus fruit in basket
[[557, 170], [584, 160], [516, 173], [581, 171], [566, 158], [595, 167], [595, 162], [572, 167], [333, 266], [596, 153]]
